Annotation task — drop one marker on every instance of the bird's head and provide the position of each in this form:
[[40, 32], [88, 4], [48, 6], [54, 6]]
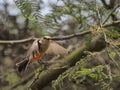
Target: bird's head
[[47, 37]]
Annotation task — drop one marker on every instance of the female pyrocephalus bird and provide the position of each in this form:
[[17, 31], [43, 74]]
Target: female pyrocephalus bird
[[38, 49]]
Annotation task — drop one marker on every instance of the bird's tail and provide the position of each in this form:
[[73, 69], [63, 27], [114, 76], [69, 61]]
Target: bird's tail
[[22, 65]]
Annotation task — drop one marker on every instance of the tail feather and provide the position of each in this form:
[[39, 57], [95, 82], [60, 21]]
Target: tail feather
[[22, 65]]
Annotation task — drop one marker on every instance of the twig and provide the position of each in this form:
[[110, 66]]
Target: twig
[[72, 35], [100, 22], [110, 6], [17, 41], [111, 24], [98, 14], [110, 14], [54, 38], [112, 58], [105, 4]]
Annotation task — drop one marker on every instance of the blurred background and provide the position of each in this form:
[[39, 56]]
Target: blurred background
[[20, 19]]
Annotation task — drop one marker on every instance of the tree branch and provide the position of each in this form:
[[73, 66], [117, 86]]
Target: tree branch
[[54, 38], [110, 14], [98, 14], [112, 24], [17, 41], [72, 35], [105, 4], [110, 6]]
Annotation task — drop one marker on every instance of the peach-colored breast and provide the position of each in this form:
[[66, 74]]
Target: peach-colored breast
[[36, 56]]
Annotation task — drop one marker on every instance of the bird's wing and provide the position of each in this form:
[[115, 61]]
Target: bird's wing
[[56, 49], [34, 48]]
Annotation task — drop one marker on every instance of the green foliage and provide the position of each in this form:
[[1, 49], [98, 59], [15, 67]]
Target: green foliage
[[39, 70], [112, 55], [80, 12], [81, 74], [114, 34], [24, 6], [31, 10], [27, 7]]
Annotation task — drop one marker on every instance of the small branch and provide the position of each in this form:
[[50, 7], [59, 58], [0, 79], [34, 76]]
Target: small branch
[[105, 4], [98, 14], [17, 41], [26, 25], [54, 38], [110, 6], [72, 35], [110, 14], [100, 22], [111, 24]]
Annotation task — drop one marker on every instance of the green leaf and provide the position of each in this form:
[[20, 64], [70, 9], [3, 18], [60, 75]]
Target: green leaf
[[112, 55]]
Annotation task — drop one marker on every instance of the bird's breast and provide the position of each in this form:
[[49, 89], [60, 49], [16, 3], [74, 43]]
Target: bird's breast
[[36, 56]]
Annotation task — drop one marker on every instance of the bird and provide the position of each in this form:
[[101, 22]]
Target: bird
[[38, 48]]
